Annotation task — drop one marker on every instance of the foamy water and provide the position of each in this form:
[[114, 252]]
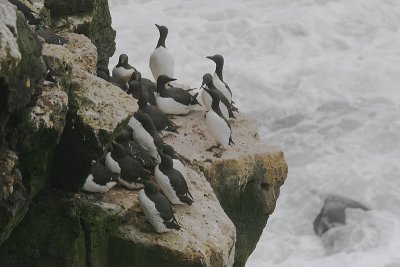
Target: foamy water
[[322, 78]]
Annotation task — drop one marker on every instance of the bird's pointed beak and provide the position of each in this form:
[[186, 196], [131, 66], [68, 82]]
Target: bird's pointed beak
[[158, 26]]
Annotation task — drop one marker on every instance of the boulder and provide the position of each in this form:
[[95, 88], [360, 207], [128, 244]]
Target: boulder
[[110, 229], [89, 17], [333, 213], [96, 108], [246, 179]]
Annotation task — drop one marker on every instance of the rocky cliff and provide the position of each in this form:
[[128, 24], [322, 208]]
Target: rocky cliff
[[51, 134]]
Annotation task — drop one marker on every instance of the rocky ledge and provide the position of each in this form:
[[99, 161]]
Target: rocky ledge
[[50, 135]]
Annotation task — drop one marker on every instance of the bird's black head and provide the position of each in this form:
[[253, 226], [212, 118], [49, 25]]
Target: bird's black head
[[136, 76], [168, 150], [150, 187], [166, 161], [163, 35], [118, 150], [207, 79], [123, 135], [123, 59], [218, 59], [162, 80]]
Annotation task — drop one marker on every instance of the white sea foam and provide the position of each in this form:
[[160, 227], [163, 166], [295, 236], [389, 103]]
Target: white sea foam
[[322, 78]]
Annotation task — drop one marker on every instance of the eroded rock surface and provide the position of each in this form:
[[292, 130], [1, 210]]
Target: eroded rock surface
[[246, 179]]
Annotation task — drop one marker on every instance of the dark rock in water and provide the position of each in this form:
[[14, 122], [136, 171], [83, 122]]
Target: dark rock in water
[[333, 213], [51, 38]]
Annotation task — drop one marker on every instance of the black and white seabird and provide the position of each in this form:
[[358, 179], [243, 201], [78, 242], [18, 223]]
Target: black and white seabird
[[148, 125], [174, 101], [104, 73], [143, 138], [161, 61], [218, 79], [226, 107], [172, 182], [50, 77], [50, 37], [123, 71], [160, 120], [157, 208], [217, 124], [100, 180], [130, 171], [137, 84], [177, 162], [125, 138]]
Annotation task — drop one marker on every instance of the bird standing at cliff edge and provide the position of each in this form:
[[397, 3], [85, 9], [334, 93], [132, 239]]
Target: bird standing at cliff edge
[[161, 60]]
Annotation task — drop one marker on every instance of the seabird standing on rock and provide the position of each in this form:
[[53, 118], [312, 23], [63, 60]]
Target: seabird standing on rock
[[100, 180], [125, 138], [123, 71], [143, 138], [157, 208], [137, 84], [217, 124], [160, 120], [148, 125], [174, 101], [177, 163], [104, 73], [172, 182], [50, 77], [161, 60], [130, 171], [218, 79], [226, 107]]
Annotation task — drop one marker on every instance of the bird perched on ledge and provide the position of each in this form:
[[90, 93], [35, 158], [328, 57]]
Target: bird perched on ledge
[[218, 78], [123, 71], [174, 101], [157, 208], [161, 61], [217, 124]]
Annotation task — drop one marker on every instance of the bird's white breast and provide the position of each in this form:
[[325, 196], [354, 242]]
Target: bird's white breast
[[165, 185], [149, 209], [91, 186], [128, 185], [143, 138], [122, 74], [169, 106], [111, 164], [221, 87], [207, 99], [218, 128], [178, 165], [161, 62]]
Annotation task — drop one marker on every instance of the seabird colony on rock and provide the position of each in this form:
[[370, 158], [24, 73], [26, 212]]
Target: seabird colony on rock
[[138, 156]]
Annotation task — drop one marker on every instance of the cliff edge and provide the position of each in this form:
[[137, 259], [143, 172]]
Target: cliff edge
[[50, 135]]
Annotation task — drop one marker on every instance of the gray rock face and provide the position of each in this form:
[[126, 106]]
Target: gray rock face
[[246, 179], [333, 213], [89, 17]]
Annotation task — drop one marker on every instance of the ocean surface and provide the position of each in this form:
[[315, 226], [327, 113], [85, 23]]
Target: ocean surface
[[322, 79]]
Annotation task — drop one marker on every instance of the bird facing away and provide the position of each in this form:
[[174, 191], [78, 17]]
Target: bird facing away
[[157, 208], [123, 71], [161, 61]]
